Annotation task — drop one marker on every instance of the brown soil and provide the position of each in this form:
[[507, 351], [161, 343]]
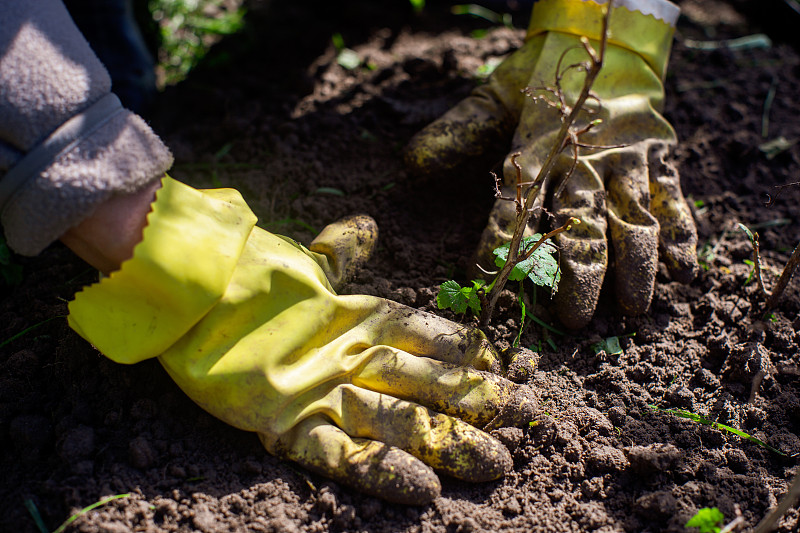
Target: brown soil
[[272, 114]]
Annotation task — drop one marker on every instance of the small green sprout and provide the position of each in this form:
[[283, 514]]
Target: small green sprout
[[483, 13], [541, 268], [680, 413], [609, 345], [37, 517], [707, 520], [330, 190], [346, 58]]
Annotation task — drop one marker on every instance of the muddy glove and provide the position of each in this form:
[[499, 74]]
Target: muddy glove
[[630, 193], [357, 388]]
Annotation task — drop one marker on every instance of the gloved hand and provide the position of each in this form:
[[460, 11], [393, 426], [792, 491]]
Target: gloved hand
[[631, 191], [356, 388]]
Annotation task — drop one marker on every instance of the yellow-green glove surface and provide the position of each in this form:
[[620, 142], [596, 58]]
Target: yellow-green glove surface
[[357, 388], [632, 193]]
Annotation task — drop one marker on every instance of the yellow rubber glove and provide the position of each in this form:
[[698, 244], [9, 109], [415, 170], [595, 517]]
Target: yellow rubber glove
[[633, 192], [357, 388]]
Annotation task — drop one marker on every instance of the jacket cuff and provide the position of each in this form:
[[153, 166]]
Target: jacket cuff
[[179, 271], [121, 155]]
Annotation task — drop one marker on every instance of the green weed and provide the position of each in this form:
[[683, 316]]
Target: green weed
[[28, 329], [345, 57], [707, 520], [31, 506], [716, 425], [540, 266], [417, 5], [187, 31]]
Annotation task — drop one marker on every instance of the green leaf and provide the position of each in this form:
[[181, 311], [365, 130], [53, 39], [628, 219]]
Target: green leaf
[[459, 299], [609, 345], [541, 267], [348, 59], [451, 296], [708, 520], [716, 425], [329, 190], [747, 231], [338, 41]]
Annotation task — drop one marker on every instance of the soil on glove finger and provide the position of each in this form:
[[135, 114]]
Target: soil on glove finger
[[307, 141]]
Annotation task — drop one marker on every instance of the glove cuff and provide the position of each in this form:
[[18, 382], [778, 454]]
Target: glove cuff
[[645, 27], [178, 271]]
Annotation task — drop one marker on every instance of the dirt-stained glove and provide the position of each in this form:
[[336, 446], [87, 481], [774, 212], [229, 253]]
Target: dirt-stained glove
[[633, 191], [366, 391]]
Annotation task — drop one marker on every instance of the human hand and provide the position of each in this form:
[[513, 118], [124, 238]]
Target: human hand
[[363, 390], [624, 189]]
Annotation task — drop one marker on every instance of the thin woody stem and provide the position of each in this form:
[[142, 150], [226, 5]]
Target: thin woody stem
[[592, 70], [757, 266], [786, 275], [566, 227]]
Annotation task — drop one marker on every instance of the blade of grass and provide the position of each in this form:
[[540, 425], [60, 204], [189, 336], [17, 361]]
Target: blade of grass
[[680, 413], [88, 508], [26, 330], [37, 517], [544, 324], [521, 300]]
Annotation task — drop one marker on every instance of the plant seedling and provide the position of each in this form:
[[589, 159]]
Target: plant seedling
[[609, 345], [707, 520], [716, 425], [539, 265]]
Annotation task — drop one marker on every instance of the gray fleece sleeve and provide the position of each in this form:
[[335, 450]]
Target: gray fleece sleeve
[[65, 144]]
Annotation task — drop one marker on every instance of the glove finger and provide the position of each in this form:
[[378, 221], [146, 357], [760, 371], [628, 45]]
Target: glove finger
[[678, 237], [443, 442], [583, 249], [366, 465], [474, 396], [633, 230], [427, 335], [476, 124], [342, 248]]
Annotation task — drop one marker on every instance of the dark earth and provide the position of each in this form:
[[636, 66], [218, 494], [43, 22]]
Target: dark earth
[[271, 113]]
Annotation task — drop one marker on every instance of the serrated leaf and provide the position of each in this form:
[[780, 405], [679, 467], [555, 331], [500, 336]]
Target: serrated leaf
[[451, 296], [541, 267], [473, 300], [454, 296]]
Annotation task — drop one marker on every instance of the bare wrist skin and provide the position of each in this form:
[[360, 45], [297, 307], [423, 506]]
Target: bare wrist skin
[[106, 239]]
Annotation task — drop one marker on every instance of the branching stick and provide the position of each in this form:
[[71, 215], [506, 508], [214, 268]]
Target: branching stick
[[565, 137]]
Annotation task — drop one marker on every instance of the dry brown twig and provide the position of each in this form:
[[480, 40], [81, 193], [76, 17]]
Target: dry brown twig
[[566, 137], [788, 270]]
